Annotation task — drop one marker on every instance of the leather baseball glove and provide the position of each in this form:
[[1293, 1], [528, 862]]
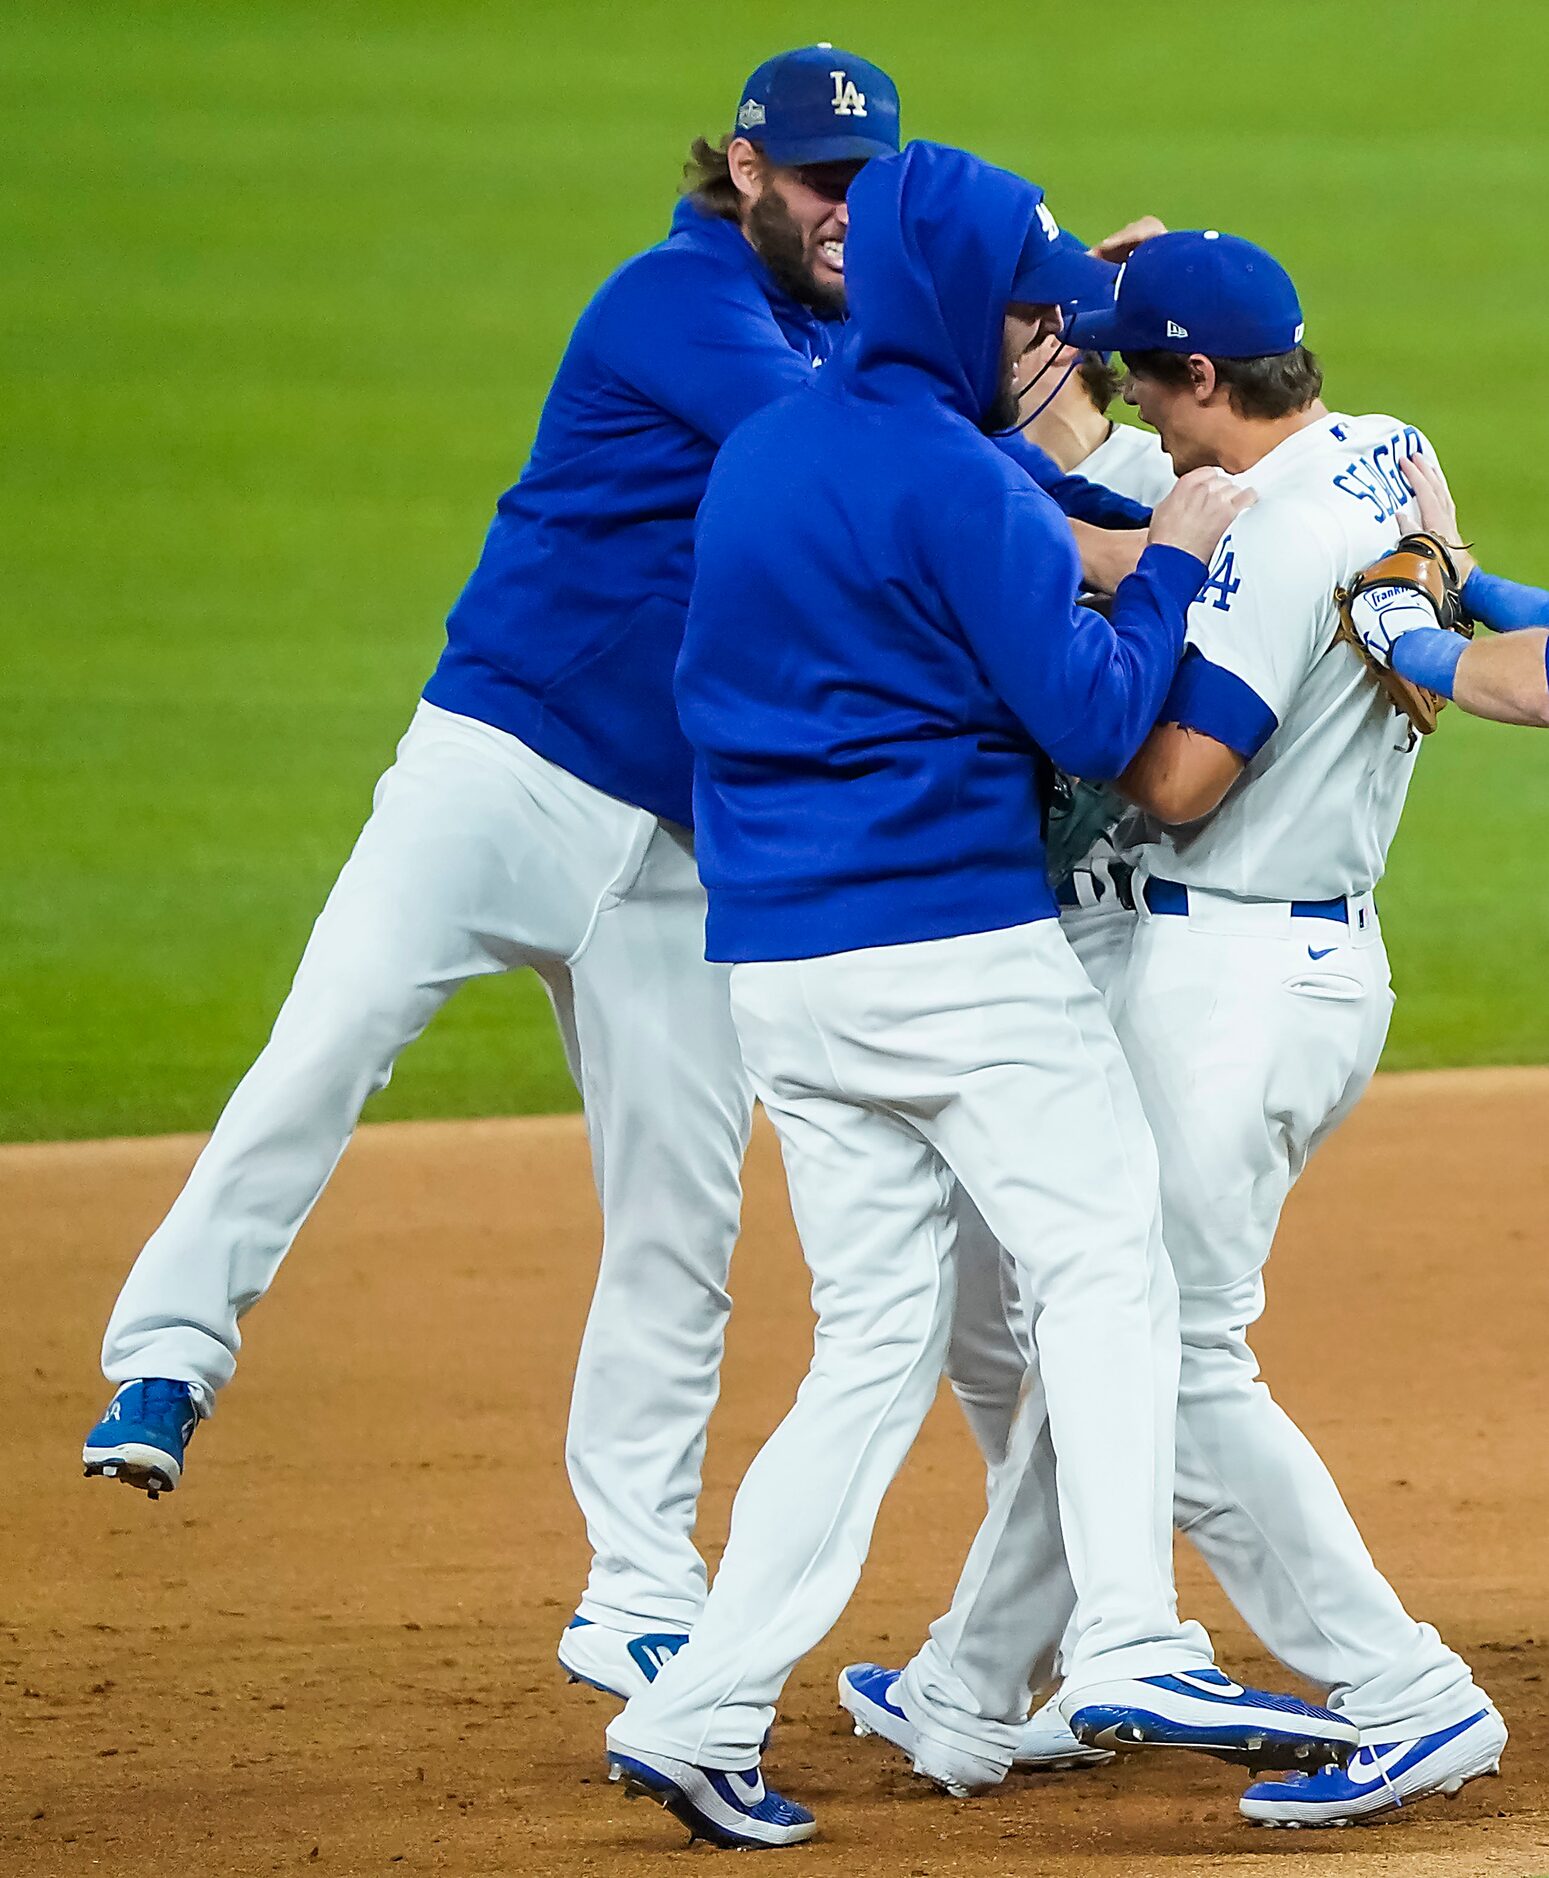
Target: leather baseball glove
[[1418, 573]]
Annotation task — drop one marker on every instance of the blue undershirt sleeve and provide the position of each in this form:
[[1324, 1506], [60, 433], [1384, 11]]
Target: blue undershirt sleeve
[[1083, 501], [1429, 656], [1208, 698], [1505, 606]]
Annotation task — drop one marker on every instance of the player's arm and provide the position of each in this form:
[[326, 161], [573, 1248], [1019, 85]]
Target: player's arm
[[1251, 640], [1181, 775], [1505, 606], [698, 340], [1086, 688], [1108, 555], [1505, 679], [1077, 498]]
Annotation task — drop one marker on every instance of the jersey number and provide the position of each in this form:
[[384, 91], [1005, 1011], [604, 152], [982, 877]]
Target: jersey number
[[1220, 582]]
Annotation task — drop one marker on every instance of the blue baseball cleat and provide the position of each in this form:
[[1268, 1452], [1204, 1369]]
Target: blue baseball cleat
[[141, 1438], [616, 1662], [1203, 1710], [869, 1695], [1382, 1776], [729, 1809]]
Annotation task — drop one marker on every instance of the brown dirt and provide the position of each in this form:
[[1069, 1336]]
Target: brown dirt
[[332, 1649]]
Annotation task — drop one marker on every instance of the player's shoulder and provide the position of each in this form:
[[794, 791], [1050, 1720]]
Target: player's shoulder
[[1363, 488], [1285, 521], [1131, 462], [678, 277], [1129, 443]]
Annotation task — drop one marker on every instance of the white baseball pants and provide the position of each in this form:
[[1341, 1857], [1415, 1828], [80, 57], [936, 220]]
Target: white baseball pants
[[480, 856], [989, 1350], [1247, 1051], [889, 1073]]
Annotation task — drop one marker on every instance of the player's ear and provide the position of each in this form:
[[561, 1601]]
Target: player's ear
[[1202, 378], [745, 161]]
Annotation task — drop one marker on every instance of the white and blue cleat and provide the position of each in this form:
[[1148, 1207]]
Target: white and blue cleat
[[1382, 1776], [733, 1809], [616, 1662], [1205, 1711], [868, 1693], [142, 1438]]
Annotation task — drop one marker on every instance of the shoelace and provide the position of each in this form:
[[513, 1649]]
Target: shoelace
[[1387, 1779]]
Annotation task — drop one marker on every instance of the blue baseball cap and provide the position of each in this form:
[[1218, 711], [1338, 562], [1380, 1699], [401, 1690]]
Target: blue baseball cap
[[819, 105], [1196, 290], [1054, 269]]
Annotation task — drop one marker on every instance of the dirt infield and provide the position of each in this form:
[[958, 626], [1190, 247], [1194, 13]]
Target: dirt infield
[[332, 1649]]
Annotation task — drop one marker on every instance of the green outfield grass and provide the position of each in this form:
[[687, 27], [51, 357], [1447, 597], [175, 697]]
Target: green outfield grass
[[283, 287]]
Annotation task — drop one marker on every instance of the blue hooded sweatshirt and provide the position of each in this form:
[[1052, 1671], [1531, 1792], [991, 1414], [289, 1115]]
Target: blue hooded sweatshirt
[[567, 632], [884, 646]]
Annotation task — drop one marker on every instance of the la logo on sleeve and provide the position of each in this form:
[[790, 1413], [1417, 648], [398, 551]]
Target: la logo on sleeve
[[849, 100]]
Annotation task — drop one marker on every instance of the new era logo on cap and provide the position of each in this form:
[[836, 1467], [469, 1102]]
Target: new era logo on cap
[[1175, 331]]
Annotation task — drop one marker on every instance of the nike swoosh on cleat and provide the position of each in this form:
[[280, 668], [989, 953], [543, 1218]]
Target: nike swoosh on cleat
[[1225, 1689], [1372, 1766]]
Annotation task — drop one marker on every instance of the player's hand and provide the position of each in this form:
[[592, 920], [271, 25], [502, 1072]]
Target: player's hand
[[1107, 554], [1122, 244], [1197, 511], [1438, 512]]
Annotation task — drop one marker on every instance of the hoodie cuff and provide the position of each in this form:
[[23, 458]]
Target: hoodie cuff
[[1178, 573]]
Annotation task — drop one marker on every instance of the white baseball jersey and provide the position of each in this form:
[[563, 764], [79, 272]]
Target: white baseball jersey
[[1327, 758], [1132, 463]]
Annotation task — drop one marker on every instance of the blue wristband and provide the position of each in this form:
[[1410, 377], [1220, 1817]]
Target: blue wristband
[[1505, 606], [1429, 656]]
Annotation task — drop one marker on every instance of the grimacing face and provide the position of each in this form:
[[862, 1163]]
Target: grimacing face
[[797, 220]]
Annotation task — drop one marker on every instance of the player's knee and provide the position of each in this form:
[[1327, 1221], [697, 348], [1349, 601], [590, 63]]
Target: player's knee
[[359, 1023], [883, 1346]]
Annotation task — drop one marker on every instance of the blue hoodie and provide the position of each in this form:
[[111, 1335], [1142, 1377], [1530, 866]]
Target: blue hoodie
[[567, 632], [884, 648]]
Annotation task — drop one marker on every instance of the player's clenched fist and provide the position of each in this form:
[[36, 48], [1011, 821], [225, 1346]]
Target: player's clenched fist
[[1198, 511]]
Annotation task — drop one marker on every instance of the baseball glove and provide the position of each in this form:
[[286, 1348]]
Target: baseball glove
[[1078, 813], [1422, 565]]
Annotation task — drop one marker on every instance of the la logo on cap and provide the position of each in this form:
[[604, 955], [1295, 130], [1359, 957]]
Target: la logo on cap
[[1047, 223], [848, 99]]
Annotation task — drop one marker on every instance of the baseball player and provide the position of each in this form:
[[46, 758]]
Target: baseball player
[[536, 816], [1256, 1003], [882, 641], [1504, 678]]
